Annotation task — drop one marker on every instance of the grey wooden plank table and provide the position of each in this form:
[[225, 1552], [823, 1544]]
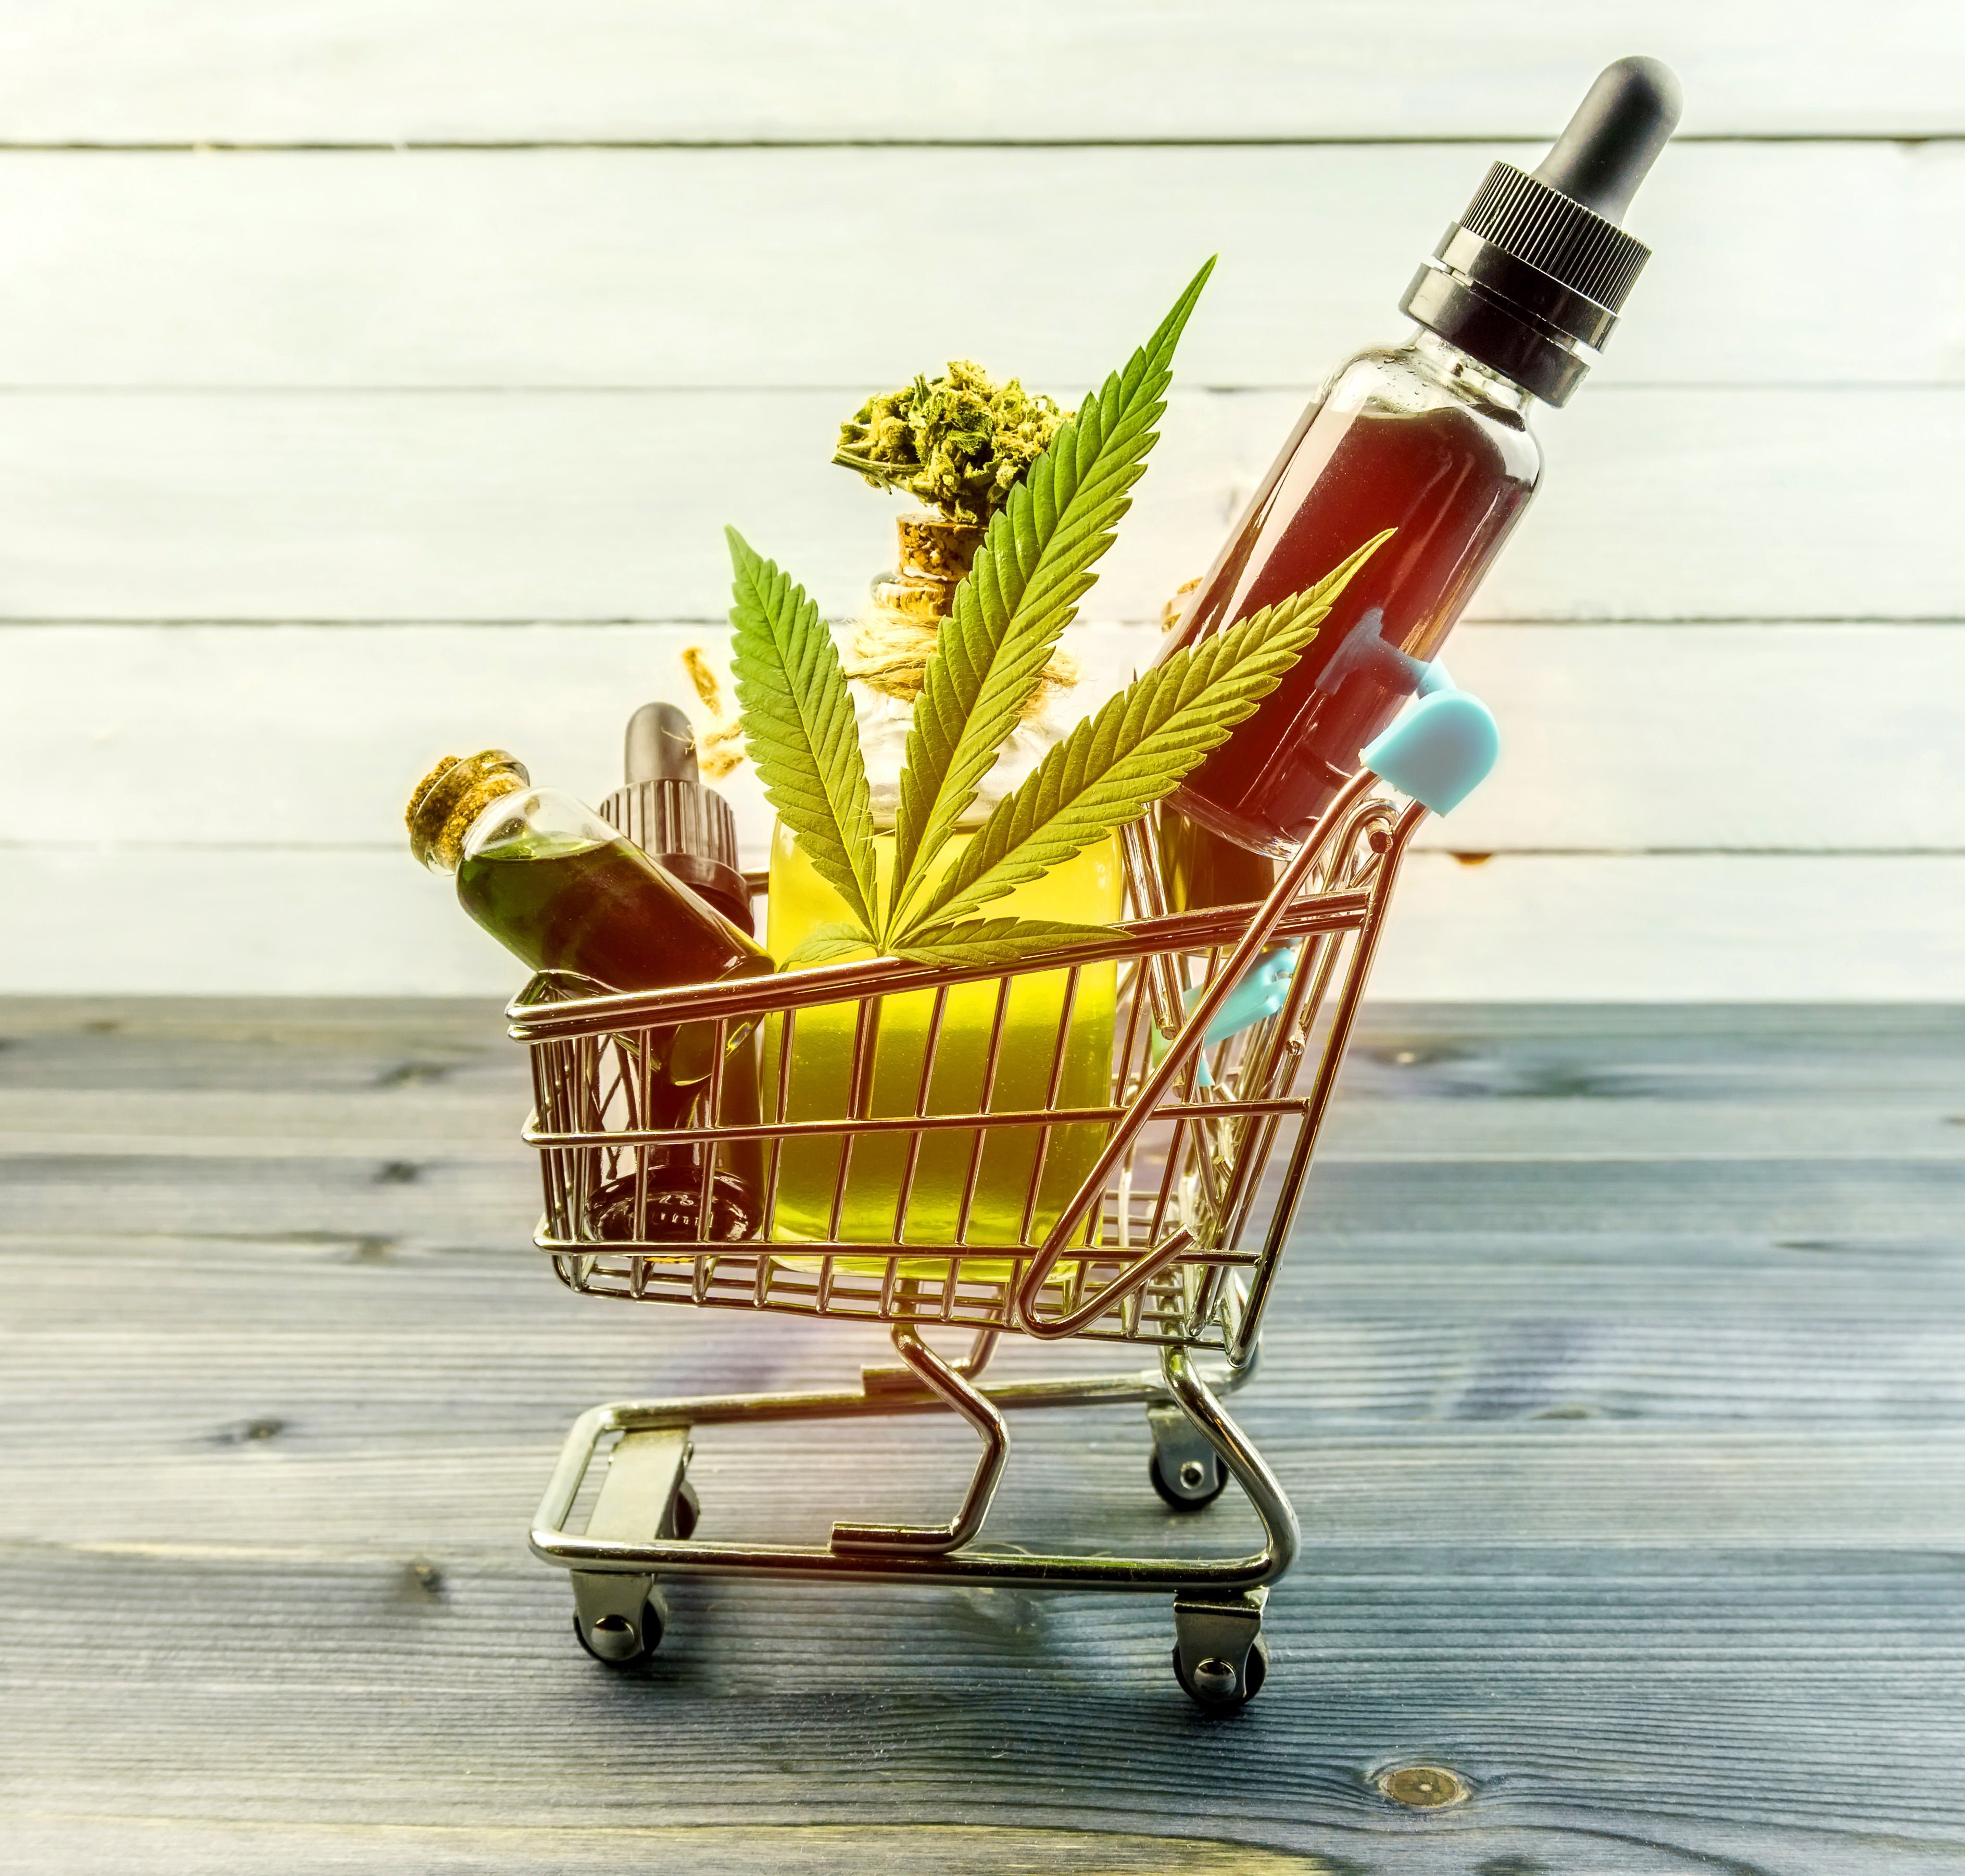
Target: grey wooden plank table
[[1616, 1373]]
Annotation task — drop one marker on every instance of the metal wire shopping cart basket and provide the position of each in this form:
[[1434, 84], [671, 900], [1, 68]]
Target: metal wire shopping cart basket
[[1172, 1239]]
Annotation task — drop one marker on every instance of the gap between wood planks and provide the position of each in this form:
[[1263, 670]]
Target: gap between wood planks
[[410, 146]]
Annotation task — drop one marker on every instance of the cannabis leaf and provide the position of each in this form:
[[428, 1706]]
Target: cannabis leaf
[[1112, 765], [1033, 567], [994, 941], [799, 723], [824, 944]]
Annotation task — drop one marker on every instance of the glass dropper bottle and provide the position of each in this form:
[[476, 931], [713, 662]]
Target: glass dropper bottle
[[687, 828], [1431, 439]]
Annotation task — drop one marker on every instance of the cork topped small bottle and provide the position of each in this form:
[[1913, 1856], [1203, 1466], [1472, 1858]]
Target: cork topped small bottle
[[558, 887]]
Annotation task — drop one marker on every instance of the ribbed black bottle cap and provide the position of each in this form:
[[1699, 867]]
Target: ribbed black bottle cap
[[673, 817], [1530, 279], [1573, 245]]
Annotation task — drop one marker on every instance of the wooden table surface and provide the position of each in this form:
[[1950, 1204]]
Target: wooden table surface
[[1615, 1372]]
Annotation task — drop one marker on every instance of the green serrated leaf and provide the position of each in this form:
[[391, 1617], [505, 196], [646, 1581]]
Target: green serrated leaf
[[825, 944], [799, 727], [1114, 764], [994, 941], [1032, 568]]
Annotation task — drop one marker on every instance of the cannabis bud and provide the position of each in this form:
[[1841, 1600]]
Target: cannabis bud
[[958, 443]]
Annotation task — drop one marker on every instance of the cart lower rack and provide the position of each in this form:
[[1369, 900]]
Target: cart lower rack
[[1170, 1238]]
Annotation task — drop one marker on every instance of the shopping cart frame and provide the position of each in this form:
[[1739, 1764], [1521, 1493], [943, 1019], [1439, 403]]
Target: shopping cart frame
[[1331, 897]]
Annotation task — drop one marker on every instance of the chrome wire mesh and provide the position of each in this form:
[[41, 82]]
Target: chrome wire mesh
[[890, 1142]]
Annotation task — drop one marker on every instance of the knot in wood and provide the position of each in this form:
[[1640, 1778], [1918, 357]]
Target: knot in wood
[[1423, 1787]]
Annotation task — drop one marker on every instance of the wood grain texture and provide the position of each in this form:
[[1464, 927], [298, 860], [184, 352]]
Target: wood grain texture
[[1747, 504], [1639, 1516], [465, 1205], [668, 269], [167, 1846], [392, 1124], [193, 70], [1670, 1702], [1433, 1051]]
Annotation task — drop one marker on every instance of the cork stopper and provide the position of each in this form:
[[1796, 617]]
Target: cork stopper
[[935, 548], [452, 796], [935, 557]]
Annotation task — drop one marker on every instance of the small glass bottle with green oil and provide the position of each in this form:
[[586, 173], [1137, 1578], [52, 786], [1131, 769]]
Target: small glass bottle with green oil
[[1050, 1054], [560, 888]]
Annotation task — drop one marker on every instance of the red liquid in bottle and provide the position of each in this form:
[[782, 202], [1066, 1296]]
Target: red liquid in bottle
[[1421, 440]]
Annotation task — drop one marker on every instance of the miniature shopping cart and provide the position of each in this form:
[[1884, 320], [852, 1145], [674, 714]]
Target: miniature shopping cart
[[1173, 1239]]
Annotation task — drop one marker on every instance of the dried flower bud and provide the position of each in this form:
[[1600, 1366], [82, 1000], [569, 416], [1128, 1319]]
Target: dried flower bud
[[958, 443]]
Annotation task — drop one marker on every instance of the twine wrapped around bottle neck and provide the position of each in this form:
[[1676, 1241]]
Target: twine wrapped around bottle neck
[[890, 645]]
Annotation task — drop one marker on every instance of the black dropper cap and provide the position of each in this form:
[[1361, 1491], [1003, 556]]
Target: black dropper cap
[[1531, 279], [668, 813]]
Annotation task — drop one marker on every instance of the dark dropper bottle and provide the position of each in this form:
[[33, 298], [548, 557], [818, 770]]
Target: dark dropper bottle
[[686, 827], [688, 830], [1431, 439]]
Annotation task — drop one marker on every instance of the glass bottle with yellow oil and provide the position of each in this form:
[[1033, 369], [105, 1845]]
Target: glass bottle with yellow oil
[[1054, 1049]]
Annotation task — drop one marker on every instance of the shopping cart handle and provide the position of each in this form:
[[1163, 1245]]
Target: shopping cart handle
[[1440, 751]]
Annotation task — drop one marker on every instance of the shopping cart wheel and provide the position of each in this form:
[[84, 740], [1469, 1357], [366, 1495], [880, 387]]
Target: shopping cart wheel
[[1219, 1657], [685, 1509], [617, 1619], [1222, 1691], [1186, 1470], [617, 1641], [1196, 1484]]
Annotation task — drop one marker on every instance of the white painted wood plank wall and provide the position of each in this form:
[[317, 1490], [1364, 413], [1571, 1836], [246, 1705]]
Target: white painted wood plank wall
[[493, 72], [376, 379]]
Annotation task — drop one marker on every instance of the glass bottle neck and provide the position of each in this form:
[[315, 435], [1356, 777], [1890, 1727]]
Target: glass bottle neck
[[1465, 376]]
